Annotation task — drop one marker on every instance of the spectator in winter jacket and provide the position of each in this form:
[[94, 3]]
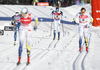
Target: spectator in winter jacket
[[34, 2]]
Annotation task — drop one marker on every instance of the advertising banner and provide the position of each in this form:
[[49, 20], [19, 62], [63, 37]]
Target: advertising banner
[[43, 4], [96, 12]]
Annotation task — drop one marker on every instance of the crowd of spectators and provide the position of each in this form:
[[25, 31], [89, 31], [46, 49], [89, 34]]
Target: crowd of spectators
[[61, 3]]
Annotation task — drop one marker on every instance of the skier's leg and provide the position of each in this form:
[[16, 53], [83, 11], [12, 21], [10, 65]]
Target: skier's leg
[[58, 28], [19, 25], [54, 35], [21, 41], [86, 37], [15, 34], [80, 37], [55, 27], [28, 39]]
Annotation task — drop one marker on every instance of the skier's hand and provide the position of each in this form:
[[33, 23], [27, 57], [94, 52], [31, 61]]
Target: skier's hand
[[91, 20], [35, 28], [52, 12], [12, 23], [61, 12], [75, 23]]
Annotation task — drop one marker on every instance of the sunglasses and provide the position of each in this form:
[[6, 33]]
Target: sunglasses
[[57, 10], [23, 13], [82, 12]]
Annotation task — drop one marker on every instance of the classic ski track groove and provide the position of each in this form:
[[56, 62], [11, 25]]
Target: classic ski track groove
[[40, 54], [79, 55]]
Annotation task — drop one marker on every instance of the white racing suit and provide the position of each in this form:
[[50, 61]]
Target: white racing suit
[[83, 27], [25, 30], [57, 17], [15, 19]]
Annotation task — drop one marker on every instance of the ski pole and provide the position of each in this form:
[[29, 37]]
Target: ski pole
[[51, 26], [62, 25], [40, 22]]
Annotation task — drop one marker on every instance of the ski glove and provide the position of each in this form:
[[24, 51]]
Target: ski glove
[[75, 23], [35, 28], [91, 20], [12, 23], [52, 12], [61, 12]]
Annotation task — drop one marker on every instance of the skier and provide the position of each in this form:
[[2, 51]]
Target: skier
[[26, 30], [16, 25], [83, 26], [57, 16]]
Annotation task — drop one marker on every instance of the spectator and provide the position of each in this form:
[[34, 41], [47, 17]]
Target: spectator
[[50, 2], [66, 3], [62, 3], [30, 1], [34, 2]]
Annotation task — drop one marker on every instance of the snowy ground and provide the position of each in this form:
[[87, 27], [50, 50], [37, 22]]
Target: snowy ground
[[47, 54]]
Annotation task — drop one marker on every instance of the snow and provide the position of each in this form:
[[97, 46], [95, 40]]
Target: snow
[[47, 54]]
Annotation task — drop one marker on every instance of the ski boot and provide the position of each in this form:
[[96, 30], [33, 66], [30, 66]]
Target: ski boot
[[18, 63], [80, 49], [87, 49], [58, 35], [28, 61]]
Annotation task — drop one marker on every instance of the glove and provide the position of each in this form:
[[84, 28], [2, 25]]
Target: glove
[[91, 20], [35, 28], [52, 12], [12, 23], [75, 23], [61, 12]]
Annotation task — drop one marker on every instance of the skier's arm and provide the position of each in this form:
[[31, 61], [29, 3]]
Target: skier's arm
[[35, 18], [90, 18], [36, 21], [74, 19], [61, 13], [12, 20], [52, 13]]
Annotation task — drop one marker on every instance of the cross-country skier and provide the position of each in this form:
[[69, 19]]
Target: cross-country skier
[[16, 24], [26, 30], [83, 26], [57, 16]]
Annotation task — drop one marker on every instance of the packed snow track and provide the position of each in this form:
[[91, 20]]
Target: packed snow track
[[46, 53]]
